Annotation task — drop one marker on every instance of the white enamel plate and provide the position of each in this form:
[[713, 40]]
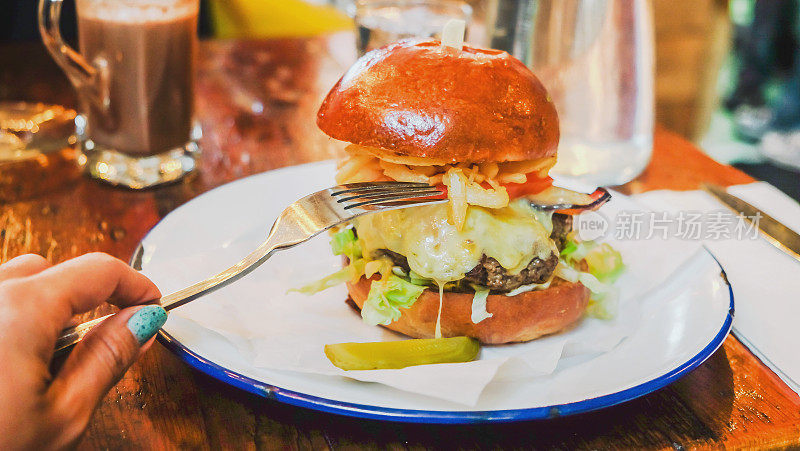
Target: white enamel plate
[[681, 320]]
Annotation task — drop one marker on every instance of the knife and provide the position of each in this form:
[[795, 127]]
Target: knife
[[776, 233]]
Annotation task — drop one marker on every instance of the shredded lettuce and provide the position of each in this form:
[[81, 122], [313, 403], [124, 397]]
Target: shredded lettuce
[[605, 263], [416, 279], [603, 298], [575, 251], [398, 271], [386, 297], [479, 312], [530, 287], [592, 283], [604, 267], [351, 272], [341, 276], [566, 271], [344, 242]]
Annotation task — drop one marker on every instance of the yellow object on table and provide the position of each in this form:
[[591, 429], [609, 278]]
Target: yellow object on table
[[402, 353], [274, 19]]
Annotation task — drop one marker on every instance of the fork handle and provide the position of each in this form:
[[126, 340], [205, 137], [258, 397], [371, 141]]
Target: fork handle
[[74, 334], [280, 237]]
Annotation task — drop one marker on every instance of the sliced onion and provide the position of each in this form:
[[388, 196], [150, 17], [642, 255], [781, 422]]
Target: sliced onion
[[567, 201]]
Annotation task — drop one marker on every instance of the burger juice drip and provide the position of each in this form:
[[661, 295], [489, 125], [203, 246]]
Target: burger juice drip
[[438, 332]]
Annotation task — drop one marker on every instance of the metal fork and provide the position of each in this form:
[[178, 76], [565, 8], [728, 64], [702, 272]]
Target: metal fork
[[299, 222]]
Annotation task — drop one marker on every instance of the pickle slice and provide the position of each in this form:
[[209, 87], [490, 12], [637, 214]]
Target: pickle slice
[[400, 354]]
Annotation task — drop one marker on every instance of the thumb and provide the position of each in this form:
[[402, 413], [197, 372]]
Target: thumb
[[101, 359]]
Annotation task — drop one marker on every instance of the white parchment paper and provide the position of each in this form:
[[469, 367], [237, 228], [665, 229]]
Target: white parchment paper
[[273, 329], [287, 331]]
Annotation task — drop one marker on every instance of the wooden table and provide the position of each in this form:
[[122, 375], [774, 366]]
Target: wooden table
[[256, 103]]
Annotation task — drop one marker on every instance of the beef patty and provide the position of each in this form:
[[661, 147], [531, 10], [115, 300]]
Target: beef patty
[[490, 274], [562, 225]]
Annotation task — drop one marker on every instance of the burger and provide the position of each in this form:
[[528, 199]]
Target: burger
[[499, 262]]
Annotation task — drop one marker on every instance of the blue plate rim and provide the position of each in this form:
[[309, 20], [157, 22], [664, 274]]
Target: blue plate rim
[[444, 417]]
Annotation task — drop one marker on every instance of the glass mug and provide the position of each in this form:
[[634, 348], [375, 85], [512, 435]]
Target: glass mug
[[135, 81]]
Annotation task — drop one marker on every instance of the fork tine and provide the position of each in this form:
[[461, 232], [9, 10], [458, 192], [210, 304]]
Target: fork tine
[[381, 183], [379, 194], [392, 200], [394, 196], [367, 186], [396, 203]]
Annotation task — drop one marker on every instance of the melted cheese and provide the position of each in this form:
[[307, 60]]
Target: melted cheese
[[438, 332], [437, 250]]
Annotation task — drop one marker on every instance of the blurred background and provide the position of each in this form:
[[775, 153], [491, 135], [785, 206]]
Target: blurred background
[[727, 72]]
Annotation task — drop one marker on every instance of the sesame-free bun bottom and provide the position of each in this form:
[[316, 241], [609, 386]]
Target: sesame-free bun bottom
[[519, 318]]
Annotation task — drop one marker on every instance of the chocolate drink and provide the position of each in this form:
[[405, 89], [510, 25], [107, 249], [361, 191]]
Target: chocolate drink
[[150, 60]]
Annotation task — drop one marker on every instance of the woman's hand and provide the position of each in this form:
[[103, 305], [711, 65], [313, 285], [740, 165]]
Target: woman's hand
[[42, 410]]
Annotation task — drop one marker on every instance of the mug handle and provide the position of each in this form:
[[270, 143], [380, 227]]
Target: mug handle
[[90, 79]]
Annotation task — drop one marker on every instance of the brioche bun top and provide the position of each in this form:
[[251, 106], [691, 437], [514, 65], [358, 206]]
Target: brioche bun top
[[416, 98]]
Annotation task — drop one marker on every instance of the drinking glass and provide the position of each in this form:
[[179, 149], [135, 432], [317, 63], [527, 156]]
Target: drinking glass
[[135, 81], [380, 22], [595, 57]]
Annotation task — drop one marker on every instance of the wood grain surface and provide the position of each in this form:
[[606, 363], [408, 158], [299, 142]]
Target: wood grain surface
[[256, 104]]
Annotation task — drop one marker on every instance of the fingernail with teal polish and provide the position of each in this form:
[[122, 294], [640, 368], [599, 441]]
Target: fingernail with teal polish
[[146, 322]]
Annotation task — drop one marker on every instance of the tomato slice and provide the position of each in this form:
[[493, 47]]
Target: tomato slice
[[532, 185]]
